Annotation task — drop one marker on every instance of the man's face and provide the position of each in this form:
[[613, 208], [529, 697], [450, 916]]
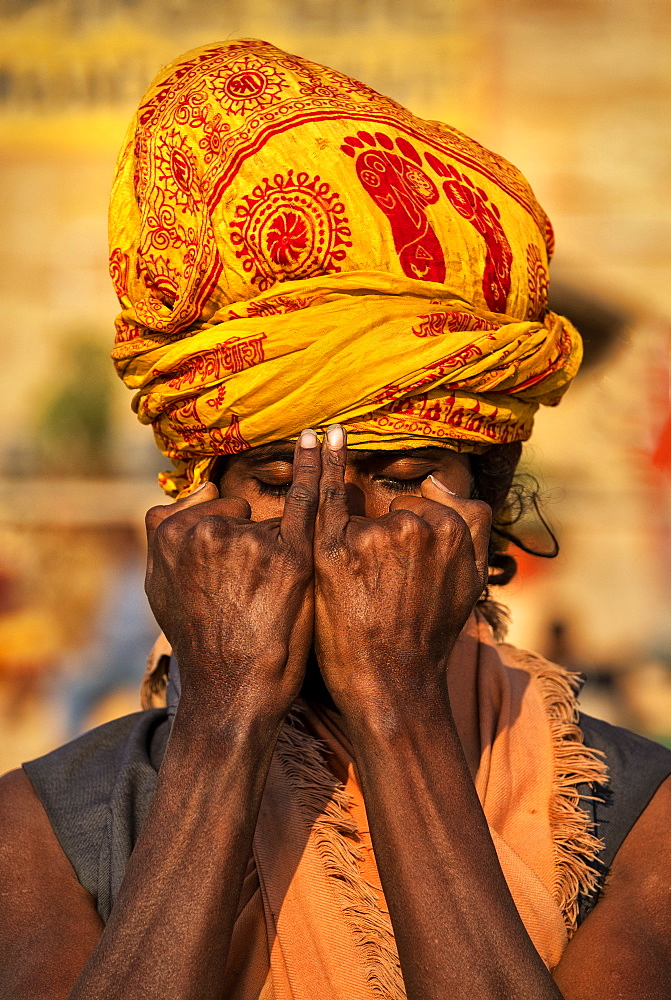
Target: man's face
[[263, 475]]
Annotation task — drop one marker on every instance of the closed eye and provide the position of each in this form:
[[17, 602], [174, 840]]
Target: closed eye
[[400, 485], [277, 490]]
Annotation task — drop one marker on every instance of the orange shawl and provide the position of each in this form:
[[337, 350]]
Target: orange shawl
[[312, 919]]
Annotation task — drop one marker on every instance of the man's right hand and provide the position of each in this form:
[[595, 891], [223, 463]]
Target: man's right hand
[[235, 597]]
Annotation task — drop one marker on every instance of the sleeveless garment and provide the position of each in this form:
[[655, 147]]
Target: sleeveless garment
[[97, 790]]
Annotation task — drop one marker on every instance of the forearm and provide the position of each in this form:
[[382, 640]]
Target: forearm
[[169, 932], [456, 926]]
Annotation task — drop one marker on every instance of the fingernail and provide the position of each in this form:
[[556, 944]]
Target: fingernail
[[308, 439], [199, 488], [441, 486], [335, 436]]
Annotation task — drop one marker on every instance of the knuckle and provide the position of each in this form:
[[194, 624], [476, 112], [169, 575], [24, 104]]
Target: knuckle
[[370, 539], [452, 521], [481, 511], [410, 525], [154, 516], [207, 528], [301, 495], [332, 493], [252, 544], [168, 531], [332, 460]]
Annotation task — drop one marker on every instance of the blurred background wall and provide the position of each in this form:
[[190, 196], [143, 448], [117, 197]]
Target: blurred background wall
[[575, 92]]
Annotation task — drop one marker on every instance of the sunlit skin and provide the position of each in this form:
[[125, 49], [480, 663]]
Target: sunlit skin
[[374, 561], [374, 478]]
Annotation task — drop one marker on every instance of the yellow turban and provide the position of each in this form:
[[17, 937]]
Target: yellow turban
[[291, 249]]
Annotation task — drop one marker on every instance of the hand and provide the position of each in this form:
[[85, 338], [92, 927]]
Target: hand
[[233, 596], [393, 593]]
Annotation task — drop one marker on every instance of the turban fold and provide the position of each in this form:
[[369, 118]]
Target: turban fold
[[291, 249]]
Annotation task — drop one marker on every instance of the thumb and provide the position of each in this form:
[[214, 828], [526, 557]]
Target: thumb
[[476, 514], [433, 489]]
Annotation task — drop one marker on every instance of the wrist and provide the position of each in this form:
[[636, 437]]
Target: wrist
[[396, 715], [208, 765], [221, 728], [407, 750]]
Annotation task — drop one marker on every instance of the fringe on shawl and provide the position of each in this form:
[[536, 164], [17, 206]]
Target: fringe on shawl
[[326, 805], [577, 849]]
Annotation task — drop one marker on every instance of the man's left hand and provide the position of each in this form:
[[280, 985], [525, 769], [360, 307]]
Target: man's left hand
[[392, 593]]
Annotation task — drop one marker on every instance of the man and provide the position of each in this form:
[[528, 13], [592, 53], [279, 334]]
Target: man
[[353, 789]]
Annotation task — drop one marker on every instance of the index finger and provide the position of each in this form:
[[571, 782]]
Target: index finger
[[300, 505], [333, 513]]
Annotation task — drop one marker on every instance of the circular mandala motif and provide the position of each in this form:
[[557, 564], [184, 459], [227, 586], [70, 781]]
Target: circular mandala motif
[[249, 83], [290, 227], [245, 85]]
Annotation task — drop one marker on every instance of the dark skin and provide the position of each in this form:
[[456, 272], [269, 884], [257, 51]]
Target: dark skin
[[239, 584]]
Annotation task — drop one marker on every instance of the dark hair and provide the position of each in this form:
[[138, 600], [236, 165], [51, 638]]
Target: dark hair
[[510, 496]]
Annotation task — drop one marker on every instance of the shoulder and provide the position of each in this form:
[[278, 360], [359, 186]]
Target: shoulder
[[643, 863], [639, 786], [20, 808], [64, 819], [624, 747], [641, 868], [26, 835], [103, 779], [48, 921], [96, 756], [633, 816], [639, 881], [637, 767], [623, 948], [30, 854]]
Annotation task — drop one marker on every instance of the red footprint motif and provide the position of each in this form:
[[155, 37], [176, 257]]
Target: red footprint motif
[[401, 189], [472, 204]]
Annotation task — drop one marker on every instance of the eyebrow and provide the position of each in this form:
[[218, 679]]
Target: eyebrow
[[283, 451], [279, 451]]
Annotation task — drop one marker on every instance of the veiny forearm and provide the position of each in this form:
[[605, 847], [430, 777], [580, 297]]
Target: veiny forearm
[[169, 932], [456, 926]]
